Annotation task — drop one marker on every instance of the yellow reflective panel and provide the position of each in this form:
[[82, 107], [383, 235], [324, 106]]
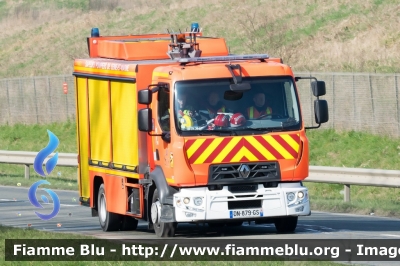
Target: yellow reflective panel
[[124, 123], [99, 115], [83, 136]]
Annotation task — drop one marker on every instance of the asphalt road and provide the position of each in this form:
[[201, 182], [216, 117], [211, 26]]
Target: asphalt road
[[16, 210]]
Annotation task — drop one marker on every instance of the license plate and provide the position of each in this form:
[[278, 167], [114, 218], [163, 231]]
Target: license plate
[[245, 213]]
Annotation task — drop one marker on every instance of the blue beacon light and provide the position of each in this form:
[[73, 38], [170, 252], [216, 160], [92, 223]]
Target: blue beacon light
[[95, 32], [194, 27]]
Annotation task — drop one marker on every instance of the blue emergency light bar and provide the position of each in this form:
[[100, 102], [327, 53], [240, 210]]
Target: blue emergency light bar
[[223, 58]]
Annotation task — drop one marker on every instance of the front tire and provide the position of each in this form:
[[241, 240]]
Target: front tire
[[128, 223], [108, 221], [286, 224], [161, 229]]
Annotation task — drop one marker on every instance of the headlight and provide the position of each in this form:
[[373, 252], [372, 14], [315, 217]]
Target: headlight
[[198, 201], [290, 196], [186, 200], [300, 194]]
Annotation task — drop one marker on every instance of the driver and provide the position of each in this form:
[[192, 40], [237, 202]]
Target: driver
[[214, 105], [259, 108]]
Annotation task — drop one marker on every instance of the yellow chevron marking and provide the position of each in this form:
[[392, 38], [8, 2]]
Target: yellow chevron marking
[[227, 149], [261, 148], [243, 152], [194, 147], [213, 145], [291, 142], [278, 147]]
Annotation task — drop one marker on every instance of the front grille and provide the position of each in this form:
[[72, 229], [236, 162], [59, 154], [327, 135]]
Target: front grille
[[244, 173], [246, 204], [242, 188]]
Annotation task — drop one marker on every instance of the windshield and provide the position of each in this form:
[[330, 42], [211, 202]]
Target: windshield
[[204, 107]]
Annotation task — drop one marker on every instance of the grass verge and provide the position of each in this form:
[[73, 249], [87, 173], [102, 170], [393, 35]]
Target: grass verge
[[60, 178], [311, 36], [379, 201], [21, 137]]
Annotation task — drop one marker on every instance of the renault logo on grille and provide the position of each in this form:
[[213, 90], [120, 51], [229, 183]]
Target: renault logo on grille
[[244, 171]]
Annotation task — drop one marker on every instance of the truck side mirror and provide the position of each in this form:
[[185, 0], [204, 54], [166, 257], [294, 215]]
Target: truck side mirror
[[166, 137], [233, 95], [144, 120], [145, 96], [318, 88], [321, 111]]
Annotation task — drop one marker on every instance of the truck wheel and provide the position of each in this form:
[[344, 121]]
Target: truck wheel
[[128, 223], [286, 224], [108, 221], [161, 229]]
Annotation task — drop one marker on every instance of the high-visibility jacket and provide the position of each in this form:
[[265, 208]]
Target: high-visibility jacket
[[254, 113]]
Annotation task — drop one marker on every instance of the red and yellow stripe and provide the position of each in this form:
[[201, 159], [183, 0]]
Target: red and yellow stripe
[[242, 149], [106, 68]]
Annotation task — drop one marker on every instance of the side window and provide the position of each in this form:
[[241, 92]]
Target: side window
[[164, 109], [289, 99]]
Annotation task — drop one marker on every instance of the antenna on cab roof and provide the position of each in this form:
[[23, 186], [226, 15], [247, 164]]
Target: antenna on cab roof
[[179, 48]]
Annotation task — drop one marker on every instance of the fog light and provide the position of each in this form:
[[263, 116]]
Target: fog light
[[290, 196], [198, 201], [300, 194], [299, 209], [193, 209], [186, 200], [178, 202], [189, 214]]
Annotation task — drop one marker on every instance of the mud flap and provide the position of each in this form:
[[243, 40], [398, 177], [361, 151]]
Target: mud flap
[[165, 191], [167, 214]]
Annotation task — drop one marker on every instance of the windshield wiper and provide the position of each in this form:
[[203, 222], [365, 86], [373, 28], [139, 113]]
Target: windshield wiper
[[284, 126], [218, 133], [290, 122], [267, 129]]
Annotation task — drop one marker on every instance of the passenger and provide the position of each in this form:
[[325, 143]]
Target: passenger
[[260, 108]]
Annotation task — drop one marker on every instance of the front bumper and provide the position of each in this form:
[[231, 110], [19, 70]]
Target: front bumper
[[225, 205]]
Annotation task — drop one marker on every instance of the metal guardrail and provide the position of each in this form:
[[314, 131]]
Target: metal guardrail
[[319, 174], [27, 158], [353, 176]]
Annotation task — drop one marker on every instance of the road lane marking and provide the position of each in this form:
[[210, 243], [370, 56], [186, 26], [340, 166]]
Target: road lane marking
[[390, 235]]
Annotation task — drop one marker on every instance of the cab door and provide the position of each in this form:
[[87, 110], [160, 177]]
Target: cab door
[[163, 155]]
